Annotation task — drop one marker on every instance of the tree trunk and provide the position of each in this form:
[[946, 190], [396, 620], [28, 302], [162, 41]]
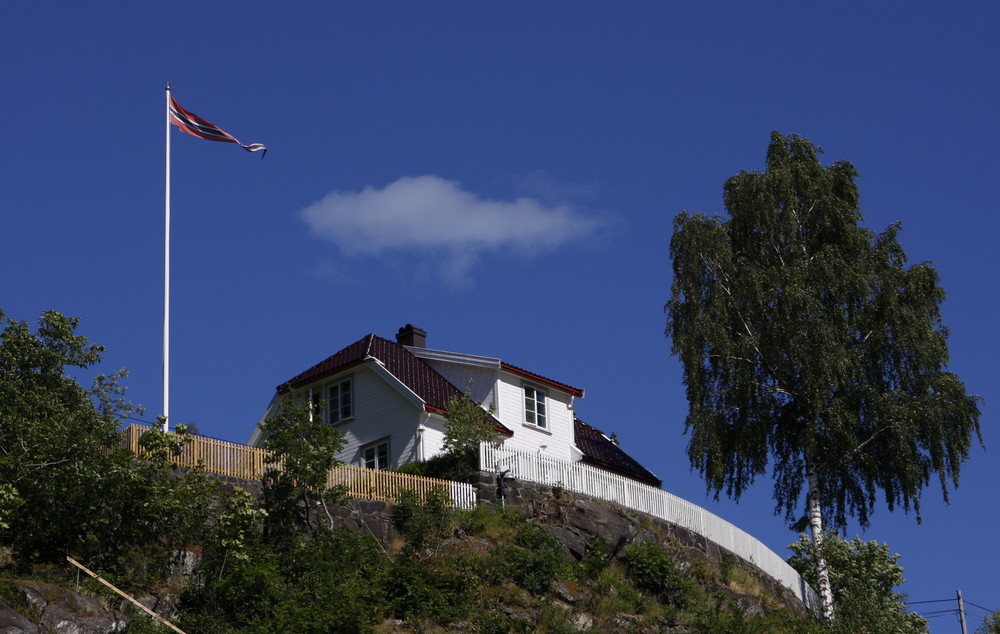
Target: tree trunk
[[816, 528]]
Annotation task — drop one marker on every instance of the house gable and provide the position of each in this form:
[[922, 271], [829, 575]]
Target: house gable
[[433, 389], [384, 413]]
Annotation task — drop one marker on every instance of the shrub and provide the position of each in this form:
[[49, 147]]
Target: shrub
[[490, 522], [535, 559], [652, 570], [501, 623], [422, 523], [420, 592], [596, 559]]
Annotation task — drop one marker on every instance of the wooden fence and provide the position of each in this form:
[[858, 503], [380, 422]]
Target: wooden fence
[[215, 456], [598, 483], [242, 461]]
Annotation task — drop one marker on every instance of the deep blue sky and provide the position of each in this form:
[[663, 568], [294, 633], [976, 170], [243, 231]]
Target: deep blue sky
[[504, 176]]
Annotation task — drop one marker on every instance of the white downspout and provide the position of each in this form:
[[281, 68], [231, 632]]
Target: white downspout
[[420, 438]]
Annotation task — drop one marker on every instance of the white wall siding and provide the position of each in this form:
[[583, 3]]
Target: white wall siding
[[433, 433], [380, 411], [558, 433], [459, 374]]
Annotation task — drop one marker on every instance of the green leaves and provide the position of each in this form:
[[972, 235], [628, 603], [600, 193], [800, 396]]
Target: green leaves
[[307, 448], [51, 433], [652, 570], [306, 444], [468, 424], [64, 488], [805, 336], [238, 525], [864, 576]]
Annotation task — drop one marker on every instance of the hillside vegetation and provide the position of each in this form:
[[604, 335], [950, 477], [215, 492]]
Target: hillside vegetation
[[436, 569]]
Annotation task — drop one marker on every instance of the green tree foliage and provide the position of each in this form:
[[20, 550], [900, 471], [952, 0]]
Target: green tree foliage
[[306, 448], [806, 338], [808, 343], [238, 527], [467, 423], [864, 576], [51, 434], [64, 489], [990, 625], [327, 583]]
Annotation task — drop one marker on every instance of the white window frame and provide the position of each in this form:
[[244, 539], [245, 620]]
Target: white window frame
[[376, 455], [535, 406], [333, 408]]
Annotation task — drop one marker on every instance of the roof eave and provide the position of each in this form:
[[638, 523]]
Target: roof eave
[[297, 383], [537, 378]]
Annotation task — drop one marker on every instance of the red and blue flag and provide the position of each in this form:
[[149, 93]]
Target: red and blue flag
[[194, 125]]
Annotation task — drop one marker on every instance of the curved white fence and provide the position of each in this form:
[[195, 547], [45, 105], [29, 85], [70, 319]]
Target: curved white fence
[[581, 478]]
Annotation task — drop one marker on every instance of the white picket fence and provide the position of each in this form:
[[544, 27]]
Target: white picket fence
[[594, 482]]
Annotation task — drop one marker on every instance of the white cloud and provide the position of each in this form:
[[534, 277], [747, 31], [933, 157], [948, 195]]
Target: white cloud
[[431, 214]]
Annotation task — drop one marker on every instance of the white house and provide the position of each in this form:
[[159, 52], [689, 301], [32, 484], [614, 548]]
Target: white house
[[389, 398]]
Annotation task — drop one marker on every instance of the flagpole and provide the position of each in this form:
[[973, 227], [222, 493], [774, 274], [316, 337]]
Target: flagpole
[[194, 125], [166, 278]]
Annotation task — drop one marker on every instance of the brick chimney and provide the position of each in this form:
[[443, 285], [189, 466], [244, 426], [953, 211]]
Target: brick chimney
[[410, 335]]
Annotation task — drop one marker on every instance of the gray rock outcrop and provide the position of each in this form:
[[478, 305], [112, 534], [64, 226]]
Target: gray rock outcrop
[[58, 610]]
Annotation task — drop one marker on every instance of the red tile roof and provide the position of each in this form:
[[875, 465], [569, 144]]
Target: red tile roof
[[352, 355], [432, 388], [575, 391], [599, 450]]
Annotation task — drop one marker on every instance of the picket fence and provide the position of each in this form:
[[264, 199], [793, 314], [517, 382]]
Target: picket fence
[[250, 463], [630, 494]]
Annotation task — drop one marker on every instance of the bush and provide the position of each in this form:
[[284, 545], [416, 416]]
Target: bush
[[652, 570], [423, 524], [420, 592], [501, 623], [597, 558], [492, 523], [459, 465], [534, 561], [328, 583]]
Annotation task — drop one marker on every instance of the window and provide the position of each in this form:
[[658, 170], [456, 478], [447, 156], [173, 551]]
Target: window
[[534, 406], [376, 456], [335, 400], [339, 402]]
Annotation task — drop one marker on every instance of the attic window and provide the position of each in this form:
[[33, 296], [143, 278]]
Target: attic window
[[534, 407], [336, 399]]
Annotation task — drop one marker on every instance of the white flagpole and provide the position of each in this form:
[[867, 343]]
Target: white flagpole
[[166, 279]]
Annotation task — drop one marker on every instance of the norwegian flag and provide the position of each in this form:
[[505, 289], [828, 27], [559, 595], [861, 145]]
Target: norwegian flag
[[196, 126]]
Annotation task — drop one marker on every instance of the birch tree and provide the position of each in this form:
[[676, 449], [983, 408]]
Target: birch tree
[[809, 346]]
